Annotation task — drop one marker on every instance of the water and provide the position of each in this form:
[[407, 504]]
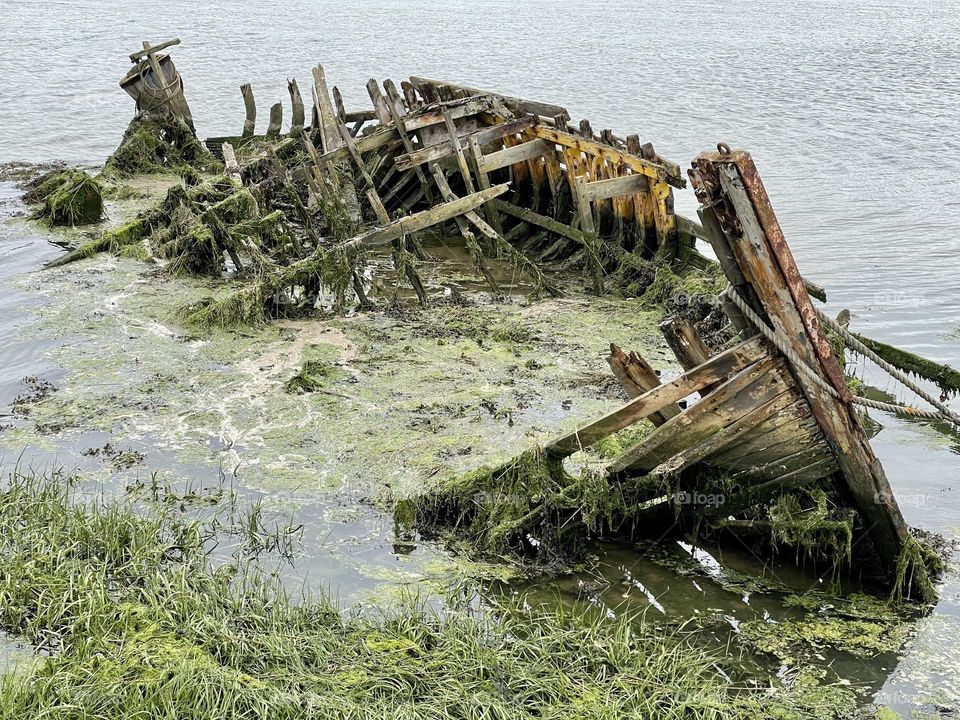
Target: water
[[849, 109]]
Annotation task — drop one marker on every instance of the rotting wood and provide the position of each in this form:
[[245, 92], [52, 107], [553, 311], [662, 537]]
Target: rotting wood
[[717, 368], [276, 120], [637, 377], [433, 153], [297, 111], [250, 107]]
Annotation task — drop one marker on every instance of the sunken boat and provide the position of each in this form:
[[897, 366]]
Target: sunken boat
[[761, 436]]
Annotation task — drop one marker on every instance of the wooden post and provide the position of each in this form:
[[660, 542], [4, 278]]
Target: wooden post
[[276, 120], [296, 103], [249, 124]]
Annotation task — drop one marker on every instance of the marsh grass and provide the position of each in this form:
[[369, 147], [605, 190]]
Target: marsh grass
[[136, 621]]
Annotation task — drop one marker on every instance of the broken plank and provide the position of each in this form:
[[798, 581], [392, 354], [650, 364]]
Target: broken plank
[[329, 135], [719, 366], [615, 187], [598, 149], [637, 377], [250, 108]]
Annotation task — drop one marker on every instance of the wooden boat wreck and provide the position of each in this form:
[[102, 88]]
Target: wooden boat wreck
[[773, 413]]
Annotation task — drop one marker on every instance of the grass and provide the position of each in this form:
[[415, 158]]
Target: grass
[[139, 622]]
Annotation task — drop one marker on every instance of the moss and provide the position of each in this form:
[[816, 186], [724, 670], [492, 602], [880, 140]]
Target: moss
[[526, 508], [67, 197], [946, 378], [158, 143], [859, 625]]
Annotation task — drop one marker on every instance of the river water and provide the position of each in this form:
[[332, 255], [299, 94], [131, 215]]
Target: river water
[[850, 109]]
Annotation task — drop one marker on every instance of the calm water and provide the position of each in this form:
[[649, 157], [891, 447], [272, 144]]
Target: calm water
[[851, 110]]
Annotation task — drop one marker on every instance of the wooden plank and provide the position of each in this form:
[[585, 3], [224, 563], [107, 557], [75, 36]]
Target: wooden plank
[[547, 223], [433, 153], [719, 366], [422, 220], [514, 103], [742, 393], [683, 339], [598, 149], [637, 377], [615, 187], [152, 49], [380, 137], [583, 205], [715, 442], [428, 117], [448, 120], [338, 104], [483, 180], [360, 116], [516, 154]]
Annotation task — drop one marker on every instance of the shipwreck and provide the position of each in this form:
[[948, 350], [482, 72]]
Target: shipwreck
[[762, 414]]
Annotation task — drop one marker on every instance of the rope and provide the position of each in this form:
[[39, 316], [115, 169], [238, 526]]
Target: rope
[[943, 412], [162, 88]]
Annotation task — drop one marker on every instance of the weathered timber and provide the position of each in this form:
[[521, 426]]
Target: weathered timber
[[743, 392], [516, 104], [761, 252], [250, 107], [297, 111], [433, 153], [276, 120], [379, 103], [637, 377], [614, 187], [329, 135], [696, 453], [717, 368], [517, 153], [422, 220]]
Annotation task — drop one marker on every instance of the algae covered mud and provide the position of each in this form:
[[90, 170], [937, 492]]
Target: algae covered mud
[[323, 426]]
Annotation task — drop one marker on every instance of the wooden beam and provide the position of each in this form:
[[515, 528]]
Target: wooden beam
[[598, 149], [422, 220], [515, 154], [615, 187], [379, 103], [516, 104], [547, 223], [433, 153], [718, 367]]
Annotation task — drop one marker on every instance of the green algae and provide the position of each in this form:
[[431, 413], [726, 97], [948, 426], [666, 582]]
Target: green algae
[[804, 522], [68, 197], [858, 625], [159, 144]]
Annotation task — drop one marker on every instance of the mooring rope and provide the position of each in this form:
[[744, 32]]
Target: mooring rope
[[160, 92], [942, 413]]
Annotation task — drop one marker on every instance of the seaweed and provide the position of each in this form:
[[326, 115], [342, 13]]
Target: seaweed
[[67, 197], [527, 508], [155, 143], [810, 527]]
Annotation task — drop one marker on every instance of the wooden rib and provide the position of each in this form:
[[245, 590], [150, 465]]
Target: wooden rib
[[379, 103], [597, 149], [718, 367], [743, 392], [514, 103], [329, 136], [250, 107], [296, 102]]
